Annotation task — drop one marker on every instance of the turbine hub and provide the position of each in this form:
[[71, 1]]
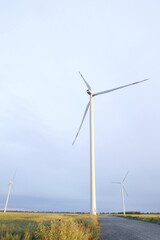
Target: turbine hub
[[89, 92]]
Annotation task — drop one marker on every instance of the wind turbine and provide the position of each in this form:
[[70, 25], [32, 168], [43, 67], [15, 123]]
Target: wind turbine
[[92, 159], [10, 185], [122, 190]]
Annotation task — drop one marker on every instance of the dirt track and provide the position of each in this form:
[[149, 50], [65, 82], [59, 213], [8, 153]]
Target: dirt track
[[116, 228]]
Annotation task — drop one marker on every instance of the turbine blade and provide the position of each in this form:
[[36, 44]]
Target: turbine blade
[[13, 187], [114, 89], [14, 175], [88, 105], [116, 182], [89, 87], [125, 190], [125, 176]]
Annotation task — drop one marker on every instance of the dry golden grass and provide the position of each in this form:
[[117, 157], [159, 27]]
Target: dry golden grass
[[47, 226]]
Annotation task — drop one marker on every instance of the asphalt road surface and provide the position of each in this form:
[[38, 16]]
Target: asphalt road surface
[[117, 228]]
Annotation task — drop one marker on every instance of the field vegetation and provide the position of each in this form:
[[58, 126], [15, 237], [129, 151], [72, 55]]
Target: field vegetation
[[47, 226], [146, 217], [153, 218]]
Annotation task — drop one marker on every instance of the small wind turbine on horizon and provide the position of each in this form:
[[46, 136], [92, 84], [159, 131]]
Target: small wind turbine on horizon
[[92, 158], [10, 185], [122, 190]]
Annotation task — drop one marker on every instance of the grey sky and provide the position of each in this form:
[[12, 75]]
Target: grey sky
[[43, 45]]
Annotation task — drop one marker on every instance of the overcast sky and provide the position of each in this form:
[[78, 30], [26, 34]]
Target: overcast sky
[[43, 45]]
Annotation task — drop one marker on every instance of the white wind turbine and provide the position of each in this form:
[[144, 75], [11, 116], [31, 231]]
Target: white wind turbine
[[10, 185], [92, 159], [122, 190]]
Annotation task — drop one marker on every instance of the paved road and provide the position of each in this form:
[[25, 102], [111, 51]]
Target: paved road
[[116, 228]]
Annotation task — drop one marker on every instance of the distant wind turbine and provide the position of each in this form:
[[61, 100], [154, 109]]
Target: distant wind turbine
[[123, 189], [92, 159], [10, 185]]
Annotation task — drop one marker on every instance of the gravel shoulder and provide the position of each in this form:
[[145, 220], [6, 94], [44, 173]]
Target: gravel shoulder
[[117, 228]]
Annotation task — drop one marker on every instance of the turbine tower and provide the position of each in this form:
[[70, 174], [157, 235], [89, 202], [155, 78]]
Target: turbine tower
[[122, 190], [92, 159], [10, 184]]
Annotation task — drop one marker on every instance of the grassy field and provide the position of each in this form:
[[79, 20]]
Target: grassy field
[[47, 226], [153, 218]]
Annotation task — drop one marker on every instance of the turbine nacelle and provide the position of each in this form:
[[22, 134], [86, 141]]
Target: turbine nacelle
[[90, 92]]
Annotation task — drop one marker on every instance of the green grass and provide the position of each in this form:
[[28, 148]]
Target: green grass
[[47, 226], [153, 218]]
